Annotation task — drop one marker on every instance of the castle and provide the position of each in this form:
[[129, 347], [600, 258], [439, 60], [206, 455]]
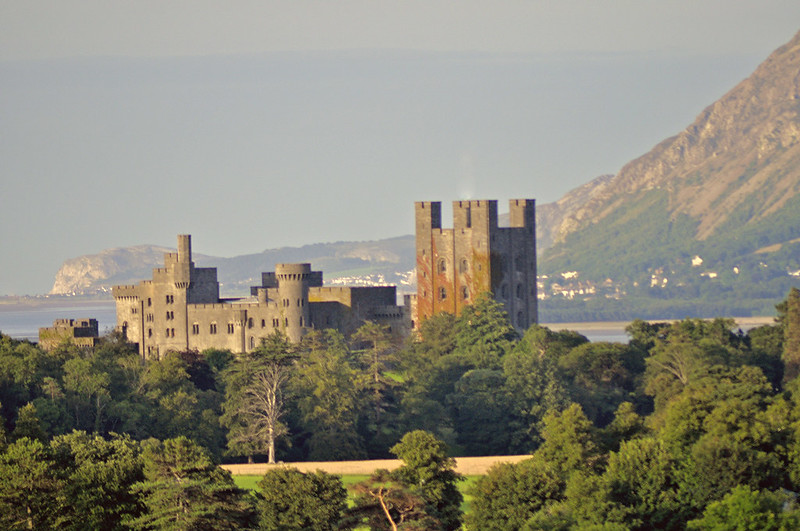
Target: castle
[[83, 333], [476, 256], [180, 308]]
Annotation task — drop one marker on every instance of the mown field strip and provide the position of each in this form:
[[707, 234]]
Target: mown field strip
[[469, 466]]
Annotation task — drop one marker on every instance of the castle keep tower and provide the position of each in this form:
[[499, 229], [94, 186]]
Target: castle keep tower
[[454, 266]]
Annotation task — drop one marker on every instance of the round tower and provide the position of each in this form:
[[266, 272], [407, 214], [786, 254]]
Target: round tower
[[293, 280]]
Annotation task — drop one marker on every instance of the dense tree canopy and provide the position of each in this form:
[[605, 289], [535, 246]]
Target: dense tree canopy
[[690, 421]]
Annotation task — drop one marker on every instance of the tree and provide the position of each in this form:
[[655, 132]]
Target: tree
[[98, 476], [602, 375], [184, 490], [254, 402], [510, 494], [384, 502], [791, 330], [28, 486], [328, 391], [481, 413], [569, 441], [428, 471], [28, 425], [640, 481], [534, 384], [747, 510], [483, 333], [289, 499], [88, 391]]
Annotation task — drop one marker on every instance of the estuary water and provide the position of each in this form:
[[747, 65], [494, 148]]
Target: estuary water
[[23, 321]]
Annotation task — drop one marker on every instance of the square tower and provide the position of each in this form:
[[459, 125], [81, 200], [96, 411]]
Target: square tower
[[455, 266]]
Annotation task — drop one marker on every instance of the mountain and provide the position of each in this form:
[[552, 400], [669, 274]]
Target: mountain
[[708, 220], [373, 262]]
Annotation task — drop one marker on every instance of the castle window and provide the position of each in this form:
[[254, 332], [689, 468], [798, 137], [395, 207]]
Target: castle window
[[298, 303], [149, 301], [285, 321], [195, 329], [133, 309], [230, 328], [442, 266], [263, 323], [275, 323], [212, 329], [301, 321], [520, 291], [149, 332], [464, 266], [170, 299], [442, 293], [172, 332], [167, 332], [250, 323], [464, 292], [149, 317], [252, 342]]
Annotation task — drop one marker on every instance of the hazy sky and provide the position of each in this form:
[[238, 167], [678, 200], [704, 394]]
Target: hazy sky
[[258, 124]]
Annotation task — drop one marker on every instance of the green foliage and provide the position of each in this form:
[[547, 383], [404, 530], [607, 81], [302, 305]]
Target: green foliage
[[429, 472], [184, 489], [484, 333], [289, 499], [98, 475], [481, 414], [746, 510], [384, 502], [640, 482], [329, 399], [510, 494], [602, 376], [254, 397], [569, 442], [28, 487], [791, 329]]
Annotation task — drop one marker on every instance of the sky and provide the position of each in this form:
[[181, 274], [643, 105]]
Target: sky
[[260, 124]]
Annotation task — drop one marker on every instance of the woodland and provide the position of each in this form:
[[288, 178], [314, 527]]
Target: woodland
[[690, 425]]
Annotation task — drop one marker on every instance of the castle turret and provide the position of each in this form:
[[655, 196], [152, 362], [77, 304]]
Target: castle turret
[[293, 282]]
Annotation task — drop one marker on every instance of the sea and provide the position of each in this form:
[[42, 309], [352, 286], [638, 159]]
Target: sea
[[21, 321]]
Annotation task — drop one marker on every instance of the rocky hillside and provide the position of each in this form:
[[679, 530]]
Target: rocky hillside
[[720, 201]]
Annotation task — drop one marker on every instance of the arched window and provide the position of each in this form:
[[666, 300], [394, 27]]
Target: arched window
[[464, 292], [442, 265], [464, 267], [442, 293]]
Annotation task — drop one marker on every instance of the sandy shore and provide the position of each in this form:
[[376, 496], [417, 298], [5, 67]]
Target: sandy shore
[[469, 466]]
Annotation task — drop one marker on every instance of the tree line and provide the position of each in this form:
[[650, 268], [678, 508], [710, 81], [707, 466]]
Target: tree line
[[687, 421]]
